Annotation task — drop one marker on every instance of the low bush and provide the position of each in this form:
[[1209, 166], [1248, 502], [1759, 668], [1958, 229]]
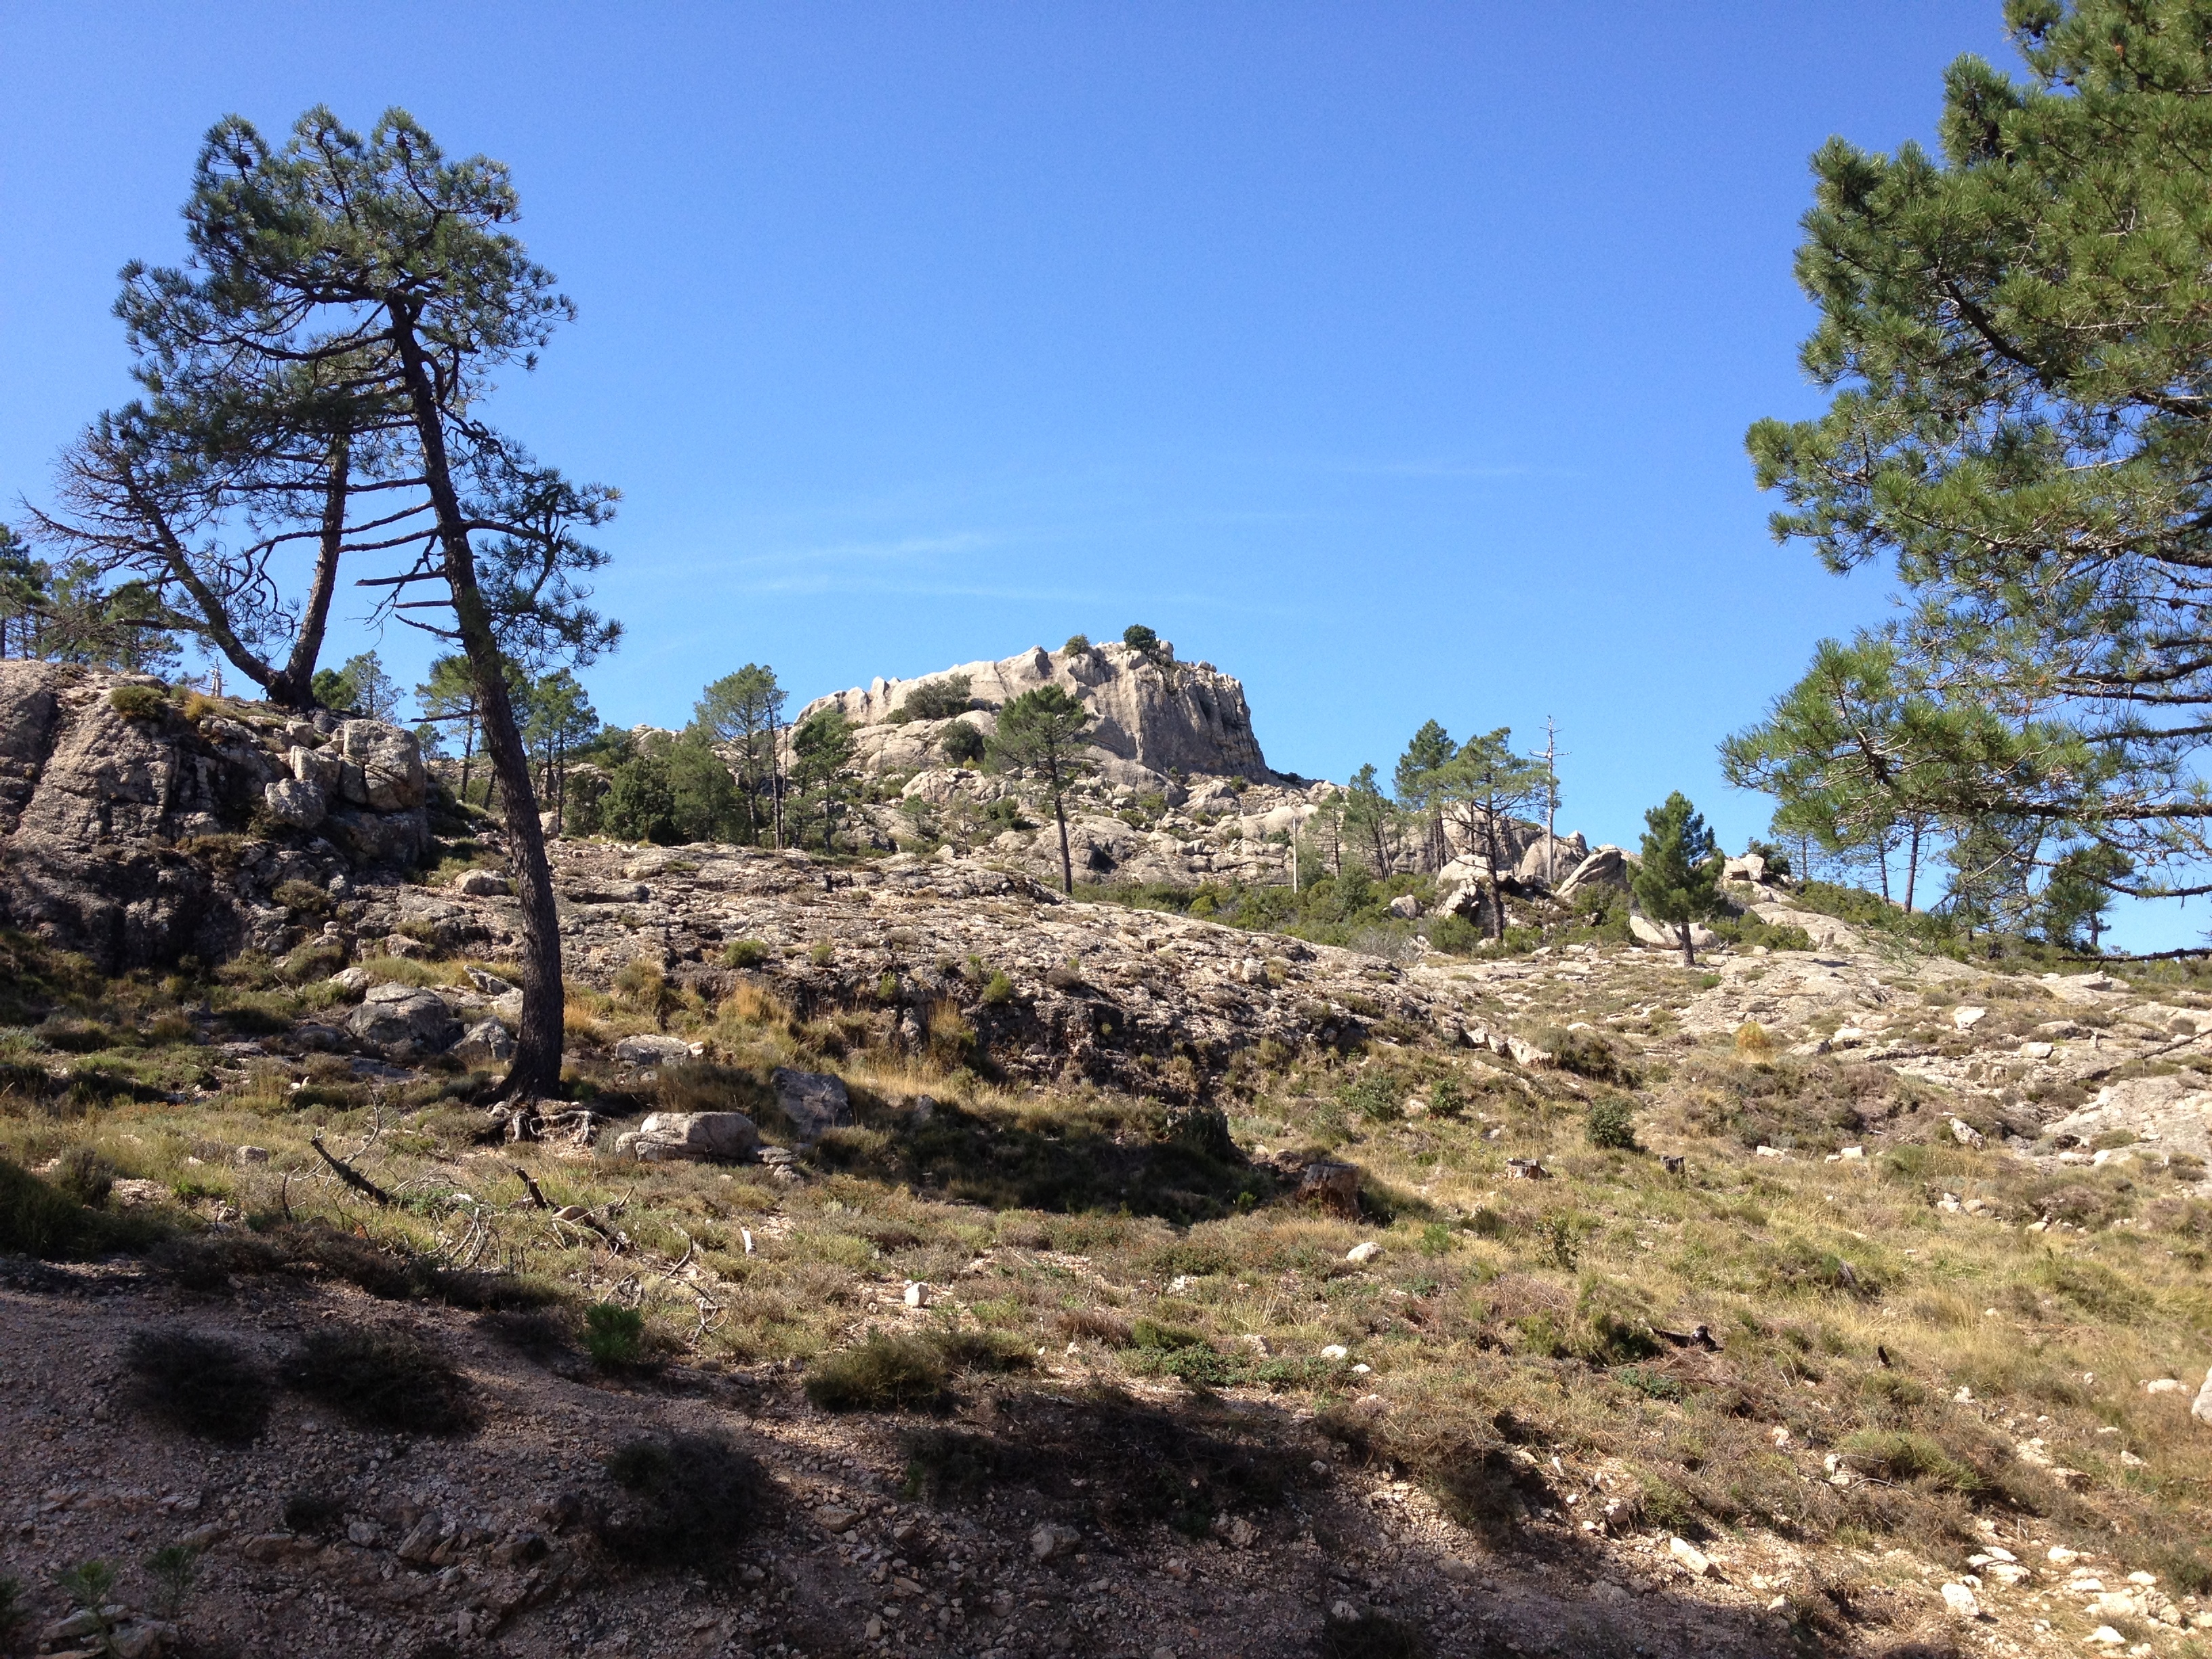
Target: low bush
[[746, 953], [613, 1336], [983, 1351], [882, 1373], [1895, 1456], [1611, 1122], [1373, 1095], [84, 1177], [138, 702], [686, 1500], [1587, 1054], [998, 989], [961, 743], [300, 898], [201, 1384], [1160, 1337], [383, 1380], [1095, 1324]]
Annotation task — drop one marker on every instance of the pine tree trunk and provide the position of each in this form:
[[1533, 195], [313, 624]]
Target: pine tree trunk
[[1912, 867], [1067, 860], [536, 1070], [293, 685], [1689, 949]]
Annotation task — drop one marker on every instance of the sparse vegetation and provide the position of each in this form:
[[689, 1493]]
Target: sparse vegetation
[[383, 1379], [201, 1384], [683, 1500], [880, 1373]]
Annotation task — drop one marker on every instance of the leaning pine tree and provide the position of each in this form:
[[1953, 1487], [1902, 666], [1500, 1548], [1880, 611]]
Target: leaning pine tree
[[389, 269], [1679, 880]]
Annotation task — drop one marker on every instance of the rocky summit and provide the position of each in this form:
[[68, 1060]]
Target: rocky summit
[[924, 1262]]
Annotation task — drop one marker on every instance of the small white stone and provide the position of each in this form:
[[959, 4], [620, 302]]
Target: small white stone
[[1336, 1350], [1961, 1602], [1694, 1560], [1364, 1252], [1964, 1017]]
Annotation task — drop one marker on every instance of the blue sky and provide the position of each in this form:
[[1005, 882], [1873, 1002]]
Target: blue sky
[[1397, 359]]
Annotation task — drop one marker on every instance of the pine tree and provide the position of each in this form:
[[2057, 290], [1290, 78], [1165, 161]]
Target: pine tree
[[1480, 789], [388, 271], [741, 710], [2015, 332], [1042, 732], [1679, 880]]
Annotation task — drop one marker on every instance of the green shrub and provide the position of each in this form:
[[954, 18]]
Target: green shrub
[[383, 1380], [961, 743], [1078, 645], [200, 1384], [1892, 1455], [613, 1335], [1160, 1337], [882, 1373], [15, 1612], [300, 898], [687, 1500], [999, 989], [318, 958], [746, 953], [1587, 1054], [138, 702], [983, 1351], [1611, 1123], [1371, 1095], [1447, 1096]]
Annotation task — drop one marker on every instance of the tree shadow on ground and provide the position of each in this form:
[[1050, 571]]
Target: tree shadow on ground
[[1138, 1155], [1099, 1472]]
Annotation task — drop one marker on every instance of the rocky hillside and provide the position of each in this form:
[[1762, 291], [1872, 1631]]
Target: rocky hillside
[[1157, 719], [136, 827], [928, 1265]]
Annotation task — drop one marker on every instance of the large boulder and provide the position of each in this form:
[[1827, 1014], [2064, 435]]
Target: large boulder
[[1606, 867], [484, 1044], [653, 1049], [381, 767], [294, 804], [1663, 933], [1551, 860], [399, 839], [814, 1102], [696, 1137], [403, 1019]]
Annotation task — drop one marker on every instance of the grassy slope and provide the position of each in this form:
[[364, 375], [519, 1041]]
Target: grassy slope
[[1505, 1324]]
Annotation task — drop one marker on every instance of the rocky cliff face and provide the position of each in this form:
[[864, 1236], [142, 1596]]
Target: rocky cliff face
[[1156, 717], [136, 827]]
